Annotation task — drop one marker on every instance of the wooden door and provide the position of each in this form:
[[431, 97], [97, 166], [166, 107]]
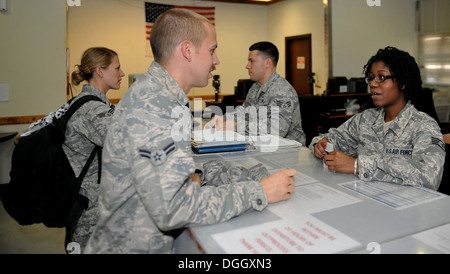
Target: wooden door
[[299, 64]]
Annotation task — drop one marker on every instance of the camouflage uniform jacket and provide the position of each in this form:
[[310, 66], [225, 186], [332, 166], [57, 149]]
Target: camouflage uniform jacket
[[146, 188], [412, 152], [275, 92], [85, 129]]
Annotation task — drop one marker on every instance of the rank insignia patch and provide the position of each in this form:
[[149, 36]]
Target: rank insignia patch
[[438, 142], [158, 156]]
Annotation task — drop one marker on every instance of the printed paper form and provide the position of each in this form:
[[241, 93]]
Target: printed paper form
[[300, 178], [311, 198], [247, 162], [438, 238], [271, 143], [282, 160], [301, 235], [393, 195], [298, 231], [217, 136]]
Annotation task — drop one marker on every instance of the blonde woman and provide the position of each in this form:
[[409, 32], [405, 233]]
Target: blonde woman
[[100, 70]]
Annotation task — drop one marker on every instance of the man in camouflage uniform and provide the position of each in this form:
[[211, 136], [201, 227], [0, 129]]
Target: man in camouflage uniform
[[394, 142], [271, 93], [148, 188]]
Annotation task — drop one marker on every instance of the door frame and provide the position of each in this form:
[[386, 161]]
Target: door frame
[[288, 57]]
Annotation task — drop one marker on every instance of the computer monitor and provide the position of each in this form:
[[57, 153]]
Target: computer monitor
[[357, 85], [243, 86], [337, 85]]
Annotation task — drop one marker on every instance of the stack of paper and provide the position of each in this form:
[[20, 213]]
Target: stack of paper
[[270, 143], [209, 141]]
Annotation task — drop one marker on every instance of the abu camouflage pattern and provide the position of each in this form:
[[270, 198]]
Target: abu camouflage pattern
[[277, 94], [219, 172], [87, 128], [411, 152], [147, 193]]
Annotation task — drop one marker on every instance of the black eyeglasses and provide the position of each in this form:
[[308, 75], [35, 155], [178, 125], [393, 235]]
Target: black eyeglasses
[[378, 78]]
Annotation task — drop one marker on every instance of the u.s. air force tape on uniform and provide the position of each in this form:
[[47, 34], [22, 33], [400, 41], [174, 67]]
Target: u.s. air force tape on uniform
[[157, 156]]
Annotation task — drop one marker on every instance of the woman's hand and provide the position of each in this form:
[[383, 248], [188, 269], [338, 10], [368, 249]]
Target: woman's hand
[[340, 162], [319, 148]]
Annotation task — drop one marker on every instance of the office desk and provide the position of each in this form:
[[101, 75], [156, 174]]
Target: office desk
[[5, 136], [328, 213]]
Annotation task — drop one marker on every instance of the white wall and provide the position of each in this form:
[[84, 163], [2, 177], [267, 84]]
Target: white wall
[[33, 35], [33, 56], [120, 25], [298, 17], [358, 31]]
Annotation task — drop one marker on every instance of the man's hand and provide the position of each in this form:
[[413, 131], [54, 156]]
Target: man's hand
[[196, 178], [219, 123], [279, 186]]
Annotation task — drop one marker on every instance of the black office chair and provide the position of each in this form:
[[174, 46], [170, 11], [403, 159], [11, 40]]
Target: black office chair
[[310, 107], [423, 101], [444, 187], [229, 100]]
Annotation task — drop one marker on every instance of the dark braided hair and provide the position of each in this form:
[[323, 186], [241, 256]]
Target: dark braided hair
[[403, 66]]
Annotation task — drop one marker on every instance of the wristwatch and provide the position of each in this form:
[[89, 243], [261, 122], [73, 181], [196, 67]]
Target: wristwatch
[[199, 172]]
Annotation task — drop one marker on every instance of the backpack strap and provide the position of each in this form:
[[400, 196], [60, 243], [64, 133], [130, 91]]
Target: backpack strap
[[97, 150], [78, 103], [99, 158]]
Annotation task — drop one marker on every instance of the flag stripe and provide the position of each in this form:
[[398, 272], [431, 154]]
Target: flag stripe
[[153, 10], [195, 7]]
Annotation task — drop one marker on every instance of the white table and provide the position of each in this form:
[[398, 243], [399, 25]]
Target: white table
[[328, 213]]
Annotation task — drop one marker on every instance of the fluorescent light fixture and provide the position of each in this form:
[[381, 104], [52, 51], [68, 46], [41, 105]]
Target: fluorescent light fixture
[[433, 66], [434, 38]]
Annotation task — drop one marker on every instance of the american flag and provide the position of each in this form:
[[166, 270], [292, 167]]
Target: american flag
[[152, 11]]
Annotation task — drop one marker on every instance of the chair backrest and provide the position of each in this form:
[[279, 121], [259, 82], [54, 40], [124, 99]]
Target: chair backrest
[[310, 107], [444, 187], [423, 101]]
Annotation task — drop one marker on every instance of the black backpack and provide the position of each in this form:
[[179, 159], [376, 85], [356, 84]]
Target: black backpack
[[43, 186]]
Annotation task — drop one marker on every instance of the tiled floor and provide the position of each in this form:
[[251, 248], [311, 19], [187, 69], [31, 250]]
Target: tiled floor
[[30, 239]]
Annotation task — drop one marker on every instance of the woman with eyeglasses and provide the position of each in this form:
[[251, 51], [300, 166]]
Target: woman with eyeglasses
[[393, 142]]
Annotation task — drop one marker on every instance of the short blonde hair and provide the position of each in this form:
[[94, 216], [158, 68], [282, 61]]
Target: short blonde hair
[[173, 27]]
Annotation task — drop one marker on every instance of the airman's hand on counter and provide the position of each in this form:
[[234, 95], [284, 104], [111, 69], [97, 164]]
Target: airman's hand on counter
[[219, 123], [280, 185]]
